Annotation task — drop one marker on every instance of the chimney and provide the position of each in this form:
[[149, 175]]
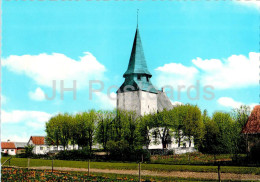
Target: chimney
[[162, 89]]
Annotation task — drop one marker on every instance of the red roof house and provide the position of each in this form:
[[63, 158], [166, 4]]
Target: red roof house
[[8, 148], [8, 145], [252, 129], [253, 124], [37, 140]]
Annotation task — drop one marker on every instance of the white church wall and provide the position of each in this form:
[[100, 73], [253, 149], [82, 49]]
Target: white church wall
[[129, 101], [148, 102], [156, 143]]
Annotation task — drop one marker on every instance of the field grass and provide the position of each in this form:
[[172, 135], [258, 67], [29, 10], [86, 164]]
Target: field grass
[[192, 158], [22, 162]]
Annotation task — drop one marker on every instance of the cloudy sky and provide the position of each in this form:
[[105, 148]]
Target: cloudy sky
[[205, 53]]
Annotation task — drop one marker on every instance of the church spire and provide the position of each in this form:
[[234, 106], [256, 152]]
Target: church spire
[[137, 63], [137, 75]]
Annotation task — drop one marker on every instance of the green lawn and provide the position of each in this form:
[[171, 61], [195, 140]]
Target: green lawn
[[192, 158], [22, 162]]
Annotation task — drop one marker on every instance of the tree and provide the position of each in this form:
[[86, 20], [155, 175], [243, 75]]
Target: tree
[[144, 130], [240, 115], [211, 140], [193, 125], [53, 131], [219, 134], [80, 134], [91, 120], [103, 127], [64, 123], [161, 128], [29, 150]]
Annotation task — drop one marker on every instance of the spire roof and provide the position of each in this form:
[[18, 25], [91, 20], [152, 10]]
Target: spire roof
[[137, 63]]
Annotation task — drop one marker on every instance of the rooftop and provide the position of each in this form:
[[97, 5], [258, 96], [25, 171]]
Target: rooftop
[[7, 145], [137, 62], [38, 140], [253, 124]]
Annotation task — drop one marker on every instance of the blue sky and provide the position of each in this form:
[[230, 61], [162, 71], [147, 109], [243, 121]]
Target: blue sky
[[214, 43]]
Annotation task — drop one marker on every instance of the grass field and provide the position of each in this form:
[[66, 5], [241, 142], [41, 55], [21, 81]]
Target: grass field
[[192, 158], [22, 162]]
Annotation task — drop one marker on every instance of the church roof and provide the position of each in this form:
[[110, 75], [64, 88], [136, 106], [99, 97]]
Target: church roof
[[253, 124], [163, 102], [132, 85], [137, 62]]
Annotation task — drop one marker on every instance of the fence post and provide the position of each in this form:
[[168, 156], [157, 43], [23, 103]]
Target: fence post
[[219, 173], [28, 163], [52, 166], [88, 167], [139, 167]]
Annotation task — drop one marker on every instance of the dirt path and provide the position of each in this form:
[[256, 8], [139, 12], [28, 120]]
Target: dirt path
[[182, 174]]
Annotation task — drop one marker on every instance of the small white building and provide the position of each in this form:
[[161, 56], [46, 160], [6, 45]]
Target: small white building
[[178, 145], [8, 148], [41, 146]]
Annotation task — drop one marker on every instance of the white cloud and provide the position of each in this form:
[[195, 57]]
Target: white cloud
[[233, 72], [176, 103], [37, 95], [249, 3], [19, 125], [23, 116], [237, 71], [44, 68], [16, 138], [174, 74], [231, 103], [106, 102]]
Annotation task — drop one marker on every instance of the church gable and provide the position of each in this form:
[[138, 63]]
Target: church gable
[[163, 102]]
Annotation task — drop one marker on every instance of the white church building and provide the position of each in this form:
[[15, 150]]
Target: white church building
[[138, 94]]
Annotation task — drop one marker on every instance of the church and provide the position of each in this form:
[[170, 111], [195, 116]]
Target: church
[[138, 94]]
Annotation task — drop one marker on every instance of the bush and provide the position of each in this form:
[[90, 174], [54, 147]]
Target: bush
[[121, 151], [254, 154], [4, 154]]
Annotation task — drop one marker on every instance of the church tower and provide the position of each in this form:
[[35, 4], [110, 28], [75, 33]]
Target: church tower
[[137, 93]]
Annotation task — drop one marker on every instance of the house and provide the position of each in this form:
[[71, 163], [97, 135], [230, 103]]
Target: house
[[8, 148], [178, 146], [41, 146], [251, 130], [20, 147]]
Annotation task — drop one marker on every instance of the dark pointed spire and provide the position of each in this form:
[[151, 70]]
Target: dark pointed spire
[[137, 62], [137, 75]]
